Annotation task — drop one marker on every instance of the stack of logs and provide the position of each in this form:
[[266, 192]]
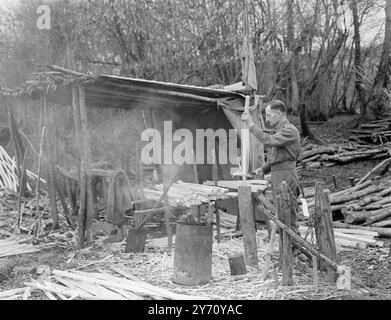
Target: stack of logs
[[187, 194], [366, 206], [377, 132], [315, 157]]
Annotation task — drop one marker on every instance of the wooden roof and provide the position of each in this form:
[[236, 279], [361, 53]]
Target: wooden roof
[[115, 91]]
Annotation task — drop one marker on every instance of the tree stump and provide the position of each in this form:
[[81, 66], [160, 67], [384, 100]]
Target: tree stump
[[237, 265]]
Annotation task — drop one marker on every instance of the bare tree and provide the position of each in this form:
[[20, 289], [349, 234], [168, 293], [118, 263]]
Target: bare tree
[[379, 99]]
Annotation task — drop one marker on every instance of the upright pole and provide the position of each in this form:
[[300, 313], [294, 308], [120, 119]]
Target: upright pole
[[82, 177], [87, 165]]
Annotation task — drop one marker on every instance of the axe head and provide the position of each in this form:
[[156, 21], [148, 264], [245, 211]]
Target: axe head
[[344, 278]]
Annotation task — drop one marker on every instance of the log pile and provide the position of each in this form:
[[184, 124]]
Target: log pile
[[366, 206], [347, 238], [183, 194], [375, 132], [315, 157]]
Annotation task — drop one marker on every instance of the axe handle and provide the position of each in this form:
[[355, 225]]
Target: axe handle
[[301, 241]]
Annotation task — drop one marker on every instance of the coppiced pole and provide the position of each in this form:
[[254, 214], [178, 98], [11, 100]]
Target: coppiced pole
[[37, 185]]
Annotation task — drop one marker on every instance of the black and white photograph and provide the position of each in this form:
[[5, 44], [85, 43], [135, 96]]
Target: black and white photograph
[[222, 153]]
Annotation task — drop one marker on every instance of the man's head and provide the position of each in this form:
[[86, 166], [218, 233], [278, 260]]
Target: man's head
[[275, 113]]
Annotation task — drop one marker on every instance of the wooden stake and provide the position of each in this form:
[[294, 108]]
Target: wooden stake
[[87, 165], [218, 230], [22, 178], [279, 216], [315, 272], [245, 142], [324, 226], [287, 271], [82, 178], [51, 184], [269, 251], [248, 225], [167, 215], [39, 215]]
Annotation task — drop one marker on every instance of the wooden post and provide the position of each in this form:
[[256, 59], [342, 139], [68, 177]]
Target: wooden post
[[287, 272], [140, 173], [82, 178], [39, 214], [71, 195], [22, 179], [167, 215], [315, 277], [279, 216], [15, 139], [324, 227], [218, 230], [51, 176], [89, 216], [248, 225], [269, 251]]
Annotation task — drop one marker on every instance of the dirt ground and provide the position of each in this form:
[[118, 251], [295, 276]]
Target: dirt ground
[[371, 268]]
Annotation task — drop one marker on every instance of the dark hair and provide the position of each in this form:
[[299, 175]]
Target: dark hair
[[277, 105]]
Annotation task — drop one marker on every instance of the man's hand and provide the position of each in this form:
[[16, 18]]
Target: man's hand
[[258, 173], [246, 117]]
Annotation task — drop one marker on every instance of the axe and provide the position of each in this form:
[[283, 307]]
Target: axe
[[344, 272]]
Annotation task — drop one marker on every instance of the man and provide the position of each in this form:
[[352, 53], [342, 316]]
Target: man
[[285, 149]]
